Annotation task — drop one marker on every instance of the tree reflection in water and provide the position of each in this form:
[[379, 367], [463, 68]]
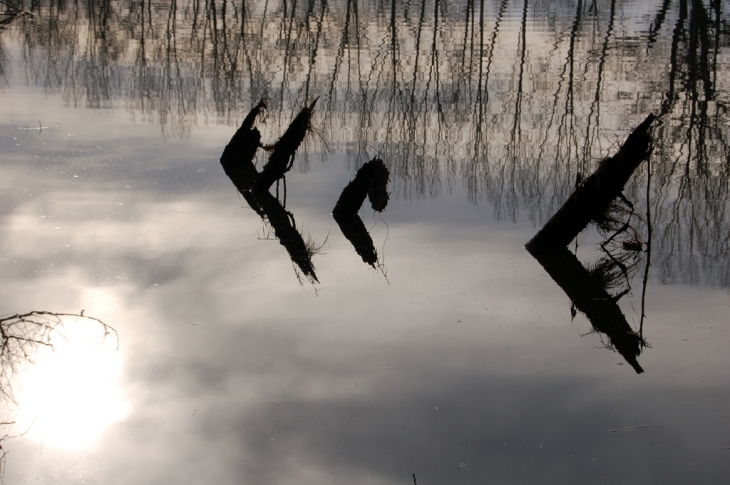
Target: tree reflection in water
[[588, 292], [512, 100], [23, 334]]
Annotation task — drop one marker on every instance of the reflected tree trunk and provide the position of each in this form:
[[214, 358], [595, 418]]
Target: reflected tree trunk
[[591, 299]]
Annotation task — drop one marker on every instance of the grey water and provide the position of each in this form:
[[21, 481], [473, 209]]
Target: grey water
[[454, 356]]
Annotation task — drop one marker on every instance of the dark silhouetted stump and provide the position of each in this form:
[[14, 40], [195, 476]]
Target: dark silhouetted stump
[[284, 150], [592, 299], [591, 199], [237, 157]]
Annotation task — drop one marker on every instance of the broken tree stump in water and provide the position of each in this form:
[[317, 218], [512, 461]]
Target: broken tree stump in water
[[591, 199], [237, 157], [368, 180]]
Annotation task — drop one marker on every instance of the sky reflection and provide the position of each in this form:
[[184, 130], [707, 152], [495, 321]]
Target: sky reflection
[[71, 393], [224, 382]]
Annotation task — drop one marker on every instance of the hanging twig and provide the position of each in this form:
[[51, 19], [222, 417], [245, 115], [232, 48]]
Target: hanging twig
[[13, 12], [648, 251]]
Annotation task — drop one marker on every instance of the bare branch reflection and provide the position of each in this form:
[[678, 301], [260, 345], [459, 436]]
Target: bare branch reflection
[[23, 333], [513, 100]]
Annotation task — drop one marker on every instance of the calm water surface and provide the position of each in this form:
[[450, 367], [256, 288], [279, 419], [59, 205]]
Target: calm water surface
[[455, 356]]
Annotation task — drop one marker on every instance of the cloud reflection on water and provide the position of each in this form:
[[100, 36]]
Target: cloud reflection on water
[[211, 345], [71, 393]]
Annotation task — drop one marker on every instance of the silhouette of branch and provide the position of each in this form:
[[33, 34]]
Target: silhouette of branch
[[13, 11], [591, 199]]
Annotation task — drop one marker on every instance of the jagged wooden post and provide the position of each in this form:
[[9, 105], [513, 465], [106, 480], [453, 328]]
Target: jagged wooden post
[[237, 157], [283, 151], [592, 198]]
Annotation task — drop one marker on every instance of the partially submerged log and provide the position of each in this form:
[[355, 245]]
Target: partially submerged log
[[592, 299], [237, 157], [591, 199], [283, 151]]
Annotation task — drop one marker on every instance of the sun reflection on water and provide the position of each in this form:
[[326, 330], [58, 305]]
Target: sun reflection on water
[[72, 393]]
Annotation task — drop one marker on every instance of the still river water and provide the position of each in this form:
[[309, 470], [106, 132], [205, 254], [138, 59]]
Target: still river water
[[455, 357]]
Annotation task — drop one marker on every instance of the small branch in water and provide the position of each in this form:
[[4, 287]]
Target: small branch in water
[[628, 428], [648, 251]]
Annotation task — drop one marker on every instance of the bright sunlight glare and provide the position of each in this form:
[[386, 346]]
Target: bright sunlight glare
[[72, 392]]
